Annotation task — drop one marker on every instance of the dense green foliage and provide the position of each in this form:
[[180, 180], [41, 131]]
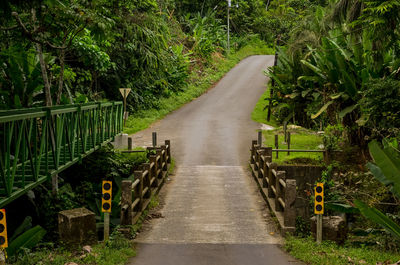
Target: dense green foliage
[[340, 66], [59, 52]]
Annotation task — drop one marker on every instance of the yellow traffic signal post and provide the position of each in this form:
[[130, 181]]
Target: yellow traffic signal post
[[106, 206], [319, 208], [3, 236]]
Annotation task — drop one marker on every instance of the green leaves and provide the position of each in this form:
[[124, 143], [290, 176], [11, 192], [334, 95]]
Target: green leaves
[[379, 218], [324, 107], [341, 208], [387, 166], [29, 239], [387, 171]]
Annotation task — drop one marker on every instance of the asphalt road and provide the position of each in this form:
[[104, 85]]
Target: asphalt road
[[213, 213]]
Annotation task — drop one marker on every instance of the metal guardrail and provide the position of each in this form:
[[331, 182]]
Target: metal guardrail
[[136, 194], [38, 143]]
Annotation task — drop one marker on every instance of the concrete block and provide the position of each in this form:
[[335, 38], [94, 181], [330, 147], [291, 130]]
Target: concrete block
[[334, 228], [77, 227], [120, 141]]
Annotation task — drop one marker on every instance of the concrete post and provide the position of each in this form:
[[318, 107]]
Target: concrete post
[[154, 139], [271, 179], [130, 143], [153, 159], [259, 138], [253, 149], [146, 180], [126, 202], [168, 143], [289, 216], [279, 191]]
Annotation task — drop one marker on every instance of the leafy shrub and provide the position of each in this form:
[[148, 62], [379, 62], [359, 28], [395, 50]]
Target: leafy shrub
[[381, 107]]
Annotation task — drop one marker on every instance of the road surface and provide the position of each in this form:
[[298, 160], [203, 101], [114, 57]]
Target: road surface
[[213, 213]]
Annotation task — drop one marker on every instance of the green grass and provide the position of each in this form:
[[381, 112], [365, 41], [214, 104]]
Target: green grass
[[198, 85], [300, 139], [329, 253], [117, 251], [260, 113]]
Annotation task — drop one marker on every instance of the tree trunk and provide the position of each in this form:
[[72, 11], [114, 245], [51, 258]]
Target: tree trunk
[[61, 78], [43, 66], [46, 88]]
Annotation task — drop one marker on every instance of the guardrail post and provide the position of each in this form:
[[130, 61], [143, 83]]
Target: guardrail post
[[154, 139], [271, 179], [130, 143], [126, 202], [288, 143], [289, 215], [168, 144], [153, 160], [279, 190], [146, 180], [259, 141], [277, 145]]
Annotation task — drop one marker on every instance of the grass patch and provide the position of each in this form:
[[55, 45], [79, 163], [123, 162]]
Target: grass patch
[[200, 82], [260, 113], [329, 253], [301, 138], [118, 250]]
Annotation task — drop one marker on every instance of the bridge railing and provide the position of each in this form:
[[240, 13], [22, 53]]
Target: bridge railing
[[136, 194], [38, 143], [279, 189]]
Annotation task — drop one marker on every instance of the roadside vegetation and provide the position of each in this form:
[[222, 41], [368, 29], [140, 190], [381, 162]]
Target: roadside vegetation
[[329, 253], [338, 73], [68, 52], [200, 82]]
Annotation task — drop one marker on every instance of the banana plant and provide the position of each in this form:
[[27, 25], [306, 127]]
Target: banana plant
[[20, 74], [386, 169]]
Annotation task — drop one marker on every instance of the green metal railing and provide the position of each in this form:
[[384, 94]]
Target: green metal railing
[[37, 143]]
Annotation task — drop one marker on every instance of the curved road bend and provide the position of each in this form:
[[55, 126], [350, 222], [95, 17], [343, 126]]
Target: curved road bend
[[213, 213]]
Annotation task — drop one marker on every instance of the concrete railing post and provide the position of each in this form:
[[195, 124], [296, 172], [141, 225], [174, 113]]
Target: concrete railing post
[[126, 202], [139, 190], [253, 151], [271, 179], [279, 191], [168, 143], [153, 160], [290, 200], [146, 180], [261, 152], [160, 163], [165, 157]]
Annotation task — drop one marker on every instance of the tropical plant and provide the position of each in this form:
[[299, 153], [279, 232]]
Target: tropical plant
[[386, 169], [20, 78], [25, 237]]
